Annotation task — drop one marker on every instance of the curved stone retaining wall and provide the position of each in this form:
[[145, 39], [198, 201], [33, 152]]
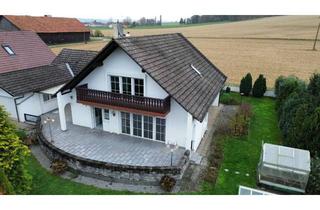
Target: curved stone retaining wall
[[129, 174]]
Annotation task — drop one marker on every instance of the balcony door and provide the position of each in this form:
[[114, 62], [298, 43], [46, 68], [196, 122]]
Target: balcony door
[[98, 117]]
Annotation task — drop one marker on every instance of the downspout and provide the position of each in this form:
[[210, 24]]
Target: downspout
[[16, 104]]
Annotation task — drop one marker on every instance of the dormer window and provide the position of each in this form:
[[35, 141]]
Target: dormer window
[[8, 49]]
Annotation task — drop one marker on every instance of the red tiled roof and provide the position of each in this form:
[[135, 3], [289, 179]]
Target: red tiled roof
[[47, 24], [30, 51]]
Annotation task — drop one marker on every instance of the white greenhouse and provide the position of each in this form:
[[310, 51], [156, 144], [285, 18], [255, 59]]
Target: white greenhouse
[[284, 167]]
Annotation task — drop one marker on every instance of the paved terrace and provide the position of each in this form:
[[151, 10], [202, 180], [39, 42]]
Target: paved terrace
[[100, 145]]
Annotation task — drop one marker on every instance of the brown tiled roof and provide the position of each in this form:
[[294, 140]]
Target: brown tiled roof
[[47, 24], [30, 51], [34, 79], [169, 59], [77, 59]]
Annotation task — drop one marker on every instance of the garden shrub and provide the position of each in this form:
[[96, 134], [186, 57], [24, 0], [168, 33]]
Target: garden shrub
[[58, 167], [299, 112], [313, 186], [167, 183], [13, 155], [228, 99], [240, 122], [5, 185], [259, 87], [284, 86], [246, 85], [228, 90]]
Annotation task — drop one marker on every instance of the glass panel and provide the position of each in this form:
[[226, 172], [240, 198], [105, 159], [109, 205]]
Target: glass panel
[[126, 85], [148, 127], [106, 114], [115, 86], [137, 125], [46, 97], [138, 87], [125, 122], [8, 50], [160, 129]]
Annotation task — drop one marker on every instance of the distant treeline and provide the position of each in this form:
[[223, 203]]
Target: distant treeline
[[218, 18]]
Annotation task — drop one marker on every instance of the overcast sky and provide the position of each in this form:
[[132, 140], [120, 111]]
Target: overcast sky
[[171, 10]]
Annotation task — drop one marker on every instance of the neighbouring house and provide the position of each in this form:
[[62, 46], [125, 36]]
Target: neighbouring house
[[157, 87], [52, 30], [30, 74]]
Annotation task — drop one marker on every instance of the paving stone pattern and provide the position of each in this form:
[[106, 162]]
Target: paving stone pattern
[[100, 145]]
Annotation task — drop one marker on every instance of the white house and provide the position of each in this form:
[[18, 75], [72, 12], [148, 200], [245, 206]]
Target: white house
[[158, 87], [30, 74]]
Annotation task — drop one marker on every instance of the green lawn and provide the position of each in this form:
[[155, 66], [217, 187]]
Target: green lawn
[[242, 153], [44, 183]]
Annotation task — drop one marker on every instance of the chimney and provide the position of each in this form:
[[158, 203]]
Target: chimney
[[117, 30]]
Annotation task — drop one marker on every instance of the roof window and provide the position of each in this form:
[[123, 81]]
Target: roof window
[[8, 49], [196, 70]]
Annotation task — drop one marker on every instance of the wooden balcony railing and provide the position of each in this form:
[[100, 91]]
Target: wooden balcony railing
[[147, 104]]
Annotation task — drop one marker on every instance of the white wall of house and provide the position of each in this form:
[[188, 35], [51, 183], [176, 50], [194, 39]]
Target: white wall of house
[[120, 64], [216, 100], [30, 103], [34, 104], [181, 128], [7, 101]]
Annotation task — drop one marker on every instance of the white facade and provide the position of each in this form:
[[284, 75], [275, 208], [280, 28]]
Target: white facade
[[31, 104], [180, 127]]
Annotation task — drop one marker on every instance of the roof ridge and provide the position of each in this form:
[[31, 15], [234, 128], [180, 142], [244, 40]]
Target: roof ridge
[[78, 50], [151, 35]]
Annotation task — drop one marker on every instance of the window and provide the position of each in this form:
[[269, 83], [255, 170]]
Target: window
[[47, 97], [148, 127], [125, 122], [115, 85], [138, 87], [8, 49], [126, 85], [106, 114], [137, 125], [196, 70], [160, 129]]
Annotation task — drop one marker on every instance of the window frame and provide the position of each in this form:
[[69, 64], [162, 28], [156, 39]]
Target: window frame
[[115, 85], [161, 129], [138, 87], [50, 97], [126, 85], [137, 129], [125, 127], [106, 111], [147, 127], [8, 49]]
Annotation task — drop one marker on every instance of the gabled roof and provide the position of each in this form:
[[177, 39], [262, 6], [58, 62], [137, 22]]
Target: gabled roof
[[47, 24], [174, 63], [43, 77], [30, 51], [77, 59], [34, 79]]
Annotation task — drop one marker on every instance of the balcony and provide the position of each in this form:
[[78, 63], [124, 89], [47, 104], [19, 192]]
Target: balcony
[[130, 103]]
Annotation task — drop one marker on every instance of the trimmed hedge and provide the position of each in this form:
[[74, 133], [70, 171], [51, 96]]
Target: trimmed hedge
[[298, 107]]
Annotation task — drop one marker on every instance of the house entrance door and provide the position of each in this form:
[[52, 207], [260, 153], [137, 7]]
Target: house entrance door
[[98, 117]]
